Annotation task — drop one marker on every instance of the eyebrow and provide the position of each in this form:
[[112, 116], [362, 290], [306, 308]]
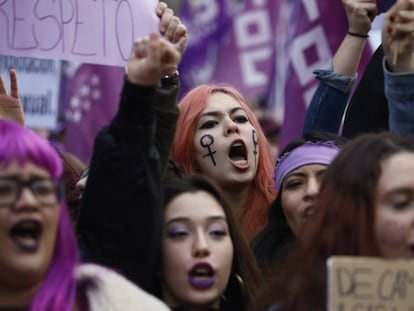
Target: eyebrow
[[187, 219], [401, 190], [216, 113]]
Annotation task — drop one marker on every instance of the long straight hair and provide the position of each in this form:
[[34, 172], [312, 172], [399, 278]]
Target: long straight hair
[[262, 191], [343, 225], [57, 292], [242, 288]]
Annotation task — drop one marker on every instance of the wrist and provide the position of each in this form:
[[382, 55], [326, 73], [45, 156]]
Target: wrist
[[173, 75], [170, 79], [357, 34]]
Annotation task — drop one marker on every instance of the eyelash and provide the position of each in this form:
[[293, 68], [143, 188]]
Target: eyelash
[[218, 232], [211, 123], [240, 119], [208, 125], [183, 233], [293, 184], [177, 234], [402, 204]]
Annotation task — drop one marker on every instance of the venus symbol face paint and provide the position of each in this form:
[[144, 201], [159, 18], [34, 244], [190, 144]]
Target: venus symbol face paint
[[206, 141], [226, 143]]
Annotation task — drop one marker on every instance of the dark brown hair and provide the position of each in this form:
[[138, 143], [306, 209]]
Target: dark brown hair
[[237, 295], [344, 223]]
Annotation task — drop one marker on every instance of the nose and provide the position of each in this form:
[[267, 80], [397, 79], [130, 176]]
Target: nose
[[312, 188], [26, 199], [201, 247], [231, 127]]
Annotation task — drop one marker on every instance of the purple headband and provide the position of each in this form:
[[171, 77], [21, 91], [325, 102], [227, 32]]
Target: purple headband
[[308, 153]]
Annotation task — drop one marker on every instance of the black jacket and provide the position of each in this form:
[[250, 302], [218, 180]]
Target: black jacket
[[120, 218]]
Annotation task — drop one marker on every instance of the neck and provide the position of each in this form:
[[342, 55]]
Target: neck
[[11, 297], [236, 197]]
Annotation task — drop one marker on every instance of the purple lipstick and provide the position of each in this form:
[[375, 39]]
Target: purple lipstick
[[201, 276]]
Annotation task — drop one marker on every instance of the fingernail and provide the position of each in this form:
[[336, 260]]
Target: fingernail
[[389, 30], [392, 18]]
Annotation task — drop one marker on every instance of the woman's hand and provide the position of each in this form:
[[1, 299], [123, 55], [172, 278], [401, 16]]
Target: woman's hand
[[10, 105], [398, 36]]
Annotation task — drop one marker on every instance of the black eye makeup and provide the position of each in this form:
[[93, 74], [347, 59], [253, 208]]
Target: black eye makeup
[[240, 119], [208, 124]]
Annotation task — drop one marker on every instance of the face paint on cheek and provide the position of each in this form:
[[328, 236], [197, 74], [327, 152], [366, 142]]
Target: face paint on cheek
[[256, 144], [393, 236], [206, 141]]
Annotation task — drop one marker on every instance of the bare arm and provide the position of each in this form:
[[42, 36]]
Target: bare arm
[[360, 14]]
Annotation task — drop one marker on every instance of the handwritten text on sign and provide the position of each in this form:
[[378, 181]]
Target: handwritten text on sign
[[370, 284], [89, 31]]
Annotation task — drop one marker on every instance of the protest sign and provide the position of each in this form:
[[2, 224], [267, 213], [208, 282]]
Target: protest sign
[[88, 31], [370, 284], [39, 84]]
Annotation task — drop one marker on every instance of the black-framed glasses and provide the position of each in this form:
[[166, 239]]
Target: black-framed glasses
[[47, 191]]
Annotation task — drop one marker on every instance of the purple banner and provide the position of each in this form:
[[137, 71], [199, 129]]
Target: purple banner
[[231, 41], [91, 98], [265, 48], [308, 34]]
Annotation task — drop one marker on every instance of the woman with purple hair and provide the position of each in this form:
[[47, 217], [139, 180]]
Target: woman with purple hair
[[39, 267]]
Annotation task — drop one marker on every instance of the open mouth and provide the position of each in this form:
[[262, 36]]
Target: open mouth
[[201, 276], [309, 212], [26, 234], [238, 154]]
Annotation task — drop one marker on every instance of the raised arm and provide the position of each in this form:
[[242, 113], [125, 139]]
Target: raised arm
[[120, 219], [331, 96], [398, 45], [166, 110]]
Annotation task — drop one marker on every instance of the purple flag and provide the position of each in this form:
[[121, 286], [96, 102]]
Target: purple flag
[[231, 42], [91, 97], [384, 5], [308, 34]]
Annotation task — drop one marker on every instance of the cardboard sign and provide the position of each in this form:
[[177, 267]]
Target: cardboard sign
[[88, 31], [39, 85], [370, 284]]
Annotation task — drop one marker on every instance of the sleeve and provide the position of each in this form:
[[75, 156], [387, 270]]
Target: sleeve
[[120, 219], [166, 113], [329, 101], [399, 92]]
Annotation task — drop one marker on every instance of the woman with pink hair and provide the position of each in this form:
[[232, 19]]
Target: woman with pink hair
[[218, 136]]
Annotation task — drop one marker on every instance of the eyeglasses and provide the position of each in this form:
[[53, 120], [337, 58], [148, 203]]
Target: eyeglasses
[[47, 191]]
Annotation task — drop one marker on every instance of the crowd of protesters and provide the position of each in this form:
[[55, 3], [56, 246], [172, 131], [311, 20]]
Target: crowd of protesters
[[184, 207]]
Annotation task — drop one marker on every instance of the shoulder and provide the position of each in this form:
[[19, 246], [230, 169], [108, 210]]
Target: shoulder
[[109, 291]]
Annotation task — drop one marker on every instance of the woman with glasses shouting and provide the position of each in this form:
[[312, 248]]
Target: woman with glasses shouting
[[39, 267]]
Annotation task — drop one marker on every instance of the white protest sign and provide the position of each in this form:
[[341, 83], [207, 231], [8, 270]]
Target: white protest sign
[[39, 85], [370, 284], [87, 31]]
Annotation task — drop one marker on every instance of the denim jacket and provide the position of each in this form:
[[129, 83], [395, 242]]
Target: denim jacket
[[399, 90], [329, 101]]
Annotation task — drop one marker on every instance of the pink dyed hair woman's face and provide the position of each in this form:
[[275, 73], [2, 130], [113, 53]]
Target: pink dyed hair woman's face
[[226, 143]]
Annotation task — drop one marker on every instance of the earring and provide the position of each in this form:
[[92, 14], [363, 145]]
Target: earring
[[239, 279]]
